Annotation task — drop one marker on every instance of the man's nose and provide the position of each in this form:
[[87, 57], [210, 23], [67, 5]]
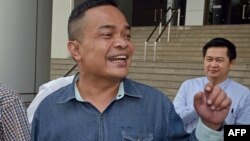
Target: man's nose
[[214, 63], [120, 43]]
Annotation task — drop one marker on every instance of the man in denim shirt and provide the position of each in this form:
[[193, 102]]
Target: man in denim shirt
[[101, 104]]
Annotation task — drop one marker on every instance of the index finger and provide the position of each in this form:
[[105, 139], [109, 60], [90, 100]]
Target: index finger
[[213, 96], [208, 87]]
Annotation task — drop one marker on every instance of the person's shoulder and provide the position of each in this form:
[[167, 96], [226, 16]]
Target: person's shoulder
[[149, 94], [139, 85], [55, 84], [59, 81], [4, 88], [145, 89], [196, 80], [240, 86], [50, 103], [7, 93], [59, 92]]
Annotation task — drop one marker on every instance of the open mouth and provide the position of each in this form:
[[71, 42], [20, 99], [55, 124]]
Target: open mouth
[[213, 71], [121, 58]]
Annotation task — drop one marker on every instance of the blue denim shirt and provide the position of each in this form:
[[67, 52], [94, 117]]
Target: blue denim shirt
[[143, 114]]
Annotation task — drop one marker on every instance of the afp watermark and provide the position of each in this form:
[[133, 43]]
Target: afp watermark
[[240, 132]]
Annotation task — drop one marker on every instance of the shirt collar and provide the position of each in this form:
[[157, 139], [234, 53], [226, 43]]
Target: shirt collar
[[125, 88], [78, 97], [223, 84], [130, 88]]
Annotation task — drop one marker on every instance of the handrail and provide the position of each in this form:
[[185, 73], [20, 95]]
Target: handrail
[[160, 34], [158, 25], [70, 70]]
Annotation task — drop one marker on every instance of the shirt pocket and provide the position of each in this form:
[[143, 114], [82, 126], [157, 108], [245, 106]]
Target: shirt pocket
[[231, 118], [137, 137]]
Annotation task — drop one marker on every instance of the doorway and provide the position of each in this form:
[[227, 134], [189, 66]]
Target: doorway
[[148, 12], [228, 12], [240, 12]]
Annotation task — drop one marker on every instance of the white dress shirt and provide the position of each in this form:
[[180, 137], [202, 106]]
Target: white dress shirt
[[239, 111]]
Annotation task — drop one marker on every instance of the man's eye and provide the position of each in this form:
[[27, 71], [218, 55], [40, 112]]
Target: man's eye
[[209, 59], [128, 36], [107, 34], [219, 61]]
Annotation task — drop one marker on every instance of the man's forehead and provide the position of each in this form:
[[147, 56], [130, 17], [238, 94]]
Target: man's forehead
[[103, 9], [106, 17], [110, 26]]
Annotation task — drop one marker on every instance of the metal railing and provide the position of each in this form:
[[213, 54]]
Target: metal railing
[[66, 74], [161, 31]]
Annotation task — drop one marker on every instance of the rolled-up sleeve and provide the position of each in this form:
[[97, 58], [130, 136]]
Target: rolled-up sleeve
[[203, 133]]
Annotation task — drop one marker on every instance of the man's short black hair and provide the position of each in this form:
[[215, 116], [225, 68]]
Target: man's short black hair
[[221, 42], [79, 11]]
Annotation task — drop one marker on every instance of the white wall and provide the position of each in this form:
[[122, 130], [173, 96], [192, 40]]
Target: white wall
[[194, 12], [61, 12], [25, 39]]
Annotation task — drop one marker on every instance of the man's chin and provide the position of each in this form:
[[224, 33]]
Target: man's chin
[[213, 77], [120, 76]]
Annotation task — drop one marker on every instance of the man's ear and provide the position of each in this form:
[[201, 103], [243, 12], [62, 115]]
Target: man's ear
[[74, 50], [232, 62]]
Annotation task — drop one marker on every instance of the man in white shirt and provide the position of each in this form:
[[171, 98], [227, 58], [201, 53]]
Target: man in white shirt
[[45, 90], [219, 57]]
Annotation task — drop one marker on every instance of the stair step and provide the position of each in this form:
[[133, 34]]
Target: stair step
[[179, 59]]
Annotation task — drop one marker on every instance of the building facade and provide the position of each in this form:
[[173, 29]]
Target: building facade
[[148, 13]]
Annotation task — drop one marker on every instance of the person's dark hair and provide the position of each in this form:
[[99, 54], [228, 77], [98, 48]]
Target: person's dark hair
[[74, 29], [221, 42]]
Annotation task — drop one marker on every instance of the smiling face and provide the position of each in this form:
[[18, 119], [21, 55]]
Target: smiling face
[[217, 64], [104, 49]]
